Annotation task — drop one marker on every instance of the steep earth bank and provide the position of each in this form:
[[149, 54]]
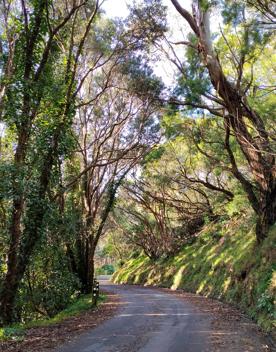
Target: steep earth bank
[[223, 262]]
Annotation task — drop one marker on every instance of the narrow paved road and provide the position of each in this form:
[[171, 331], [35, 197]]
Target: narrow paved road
[[149, 321]]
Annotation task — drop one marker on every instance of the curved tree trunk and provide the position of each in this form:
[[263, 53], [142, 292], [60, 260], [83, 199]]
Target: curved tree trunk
[[258, 152]]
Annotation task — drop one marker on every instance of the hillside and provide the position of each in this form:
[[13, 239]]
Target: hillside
[[223, 262]]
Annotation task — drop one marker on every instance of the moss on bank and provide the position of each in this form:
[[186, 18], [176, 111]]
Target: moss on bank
[[224, 262]]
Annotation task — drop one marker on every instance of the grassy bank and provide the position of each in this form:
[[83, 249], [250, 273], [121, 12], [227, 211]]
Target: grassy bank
[[224, 262], [16, 331]]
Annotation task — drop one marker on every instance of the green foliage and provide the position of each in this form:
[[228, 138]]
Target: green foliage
[[106, 269], [80, 304], [155, 154], [233, 12], [141, 78], [148, 18], [12, 333], [266, 303], [237, 206], [48, 286], [195, 81]]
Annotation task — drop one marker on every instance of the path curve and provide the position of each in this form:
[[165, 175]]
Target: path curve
[[150, 320], [154, 320]]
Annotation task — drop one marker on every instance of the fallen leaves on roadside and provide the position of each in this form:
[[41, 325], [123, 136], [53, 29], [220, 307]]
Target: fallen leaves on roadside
[[231, 330]]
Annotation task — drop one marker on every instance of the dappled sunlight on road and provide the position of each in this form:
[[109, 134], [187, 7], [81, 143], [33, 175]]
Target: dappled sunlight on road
[[153, 315], [154, 320]]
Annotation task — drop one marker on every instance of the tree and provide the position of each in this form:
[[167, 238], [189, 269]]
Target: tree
[[114, 136], [233, 103], [41, 91], [162, 210], [115, 126]]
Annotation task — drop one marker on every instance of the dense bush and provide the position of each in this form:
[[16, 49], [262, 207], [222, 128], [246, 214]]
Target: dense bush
[[48, 286], [106, 269]]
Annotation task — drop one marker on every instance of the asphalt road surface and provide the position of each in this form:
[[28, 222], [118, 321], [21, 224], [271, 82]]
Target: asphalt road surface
[[148, 321]]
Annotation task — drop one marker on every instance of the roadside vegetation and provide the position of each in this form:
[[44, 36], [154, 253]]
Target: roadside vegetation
[[15, 332]]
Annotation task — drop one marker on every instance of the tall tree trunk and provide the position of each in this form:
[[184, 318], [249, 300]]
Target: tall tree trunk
[[94, 236], [267, 215], [91, 265], [23, 125], [6, 300], [258, 154]]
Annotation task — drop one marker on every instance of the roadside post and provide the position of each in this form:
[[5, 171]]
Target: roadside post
[[95, 292]]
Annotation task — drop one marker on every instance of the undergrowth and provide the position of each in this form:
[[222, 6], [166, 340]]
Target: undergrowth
[[16, 331]]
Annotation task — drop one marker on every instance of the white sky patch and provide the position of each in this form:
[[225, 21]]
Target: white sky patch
[[119, 8], [2, 129], [115, 8]]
